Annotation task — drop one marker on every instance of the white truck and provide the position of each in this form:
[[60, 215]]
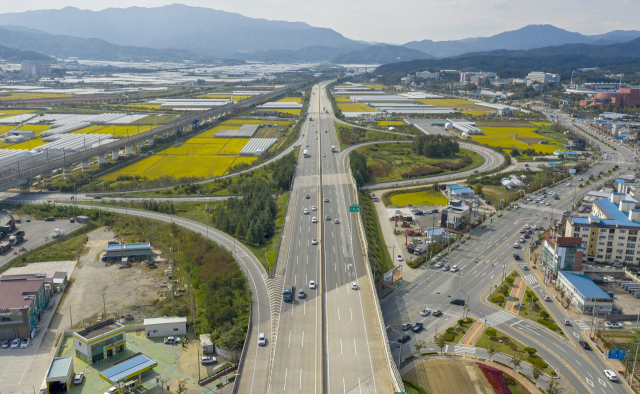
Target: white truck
[[418, 250], [333, 148], [305, 153]]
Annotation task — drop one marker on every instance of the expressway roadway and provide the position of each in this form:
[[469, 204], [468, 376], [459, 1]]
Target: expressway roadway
[[581, 371], [330, 340]]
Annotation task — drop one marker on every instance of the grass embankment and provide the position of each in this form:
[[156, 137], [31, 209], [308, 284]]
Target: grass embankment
[[396, 161], [455, 333], [350, 135], [375, 240], [498, 296], [511, 347], [221, 299]]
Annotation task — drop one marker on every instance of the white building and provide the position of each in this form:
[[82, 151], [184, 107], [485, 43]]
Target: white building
[[543, 78], [165, 326], [29, 68], [428, 75], [466, 77]]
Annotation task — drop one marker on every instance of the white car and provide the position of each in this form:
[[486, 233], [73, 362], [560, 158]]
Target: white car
[[516, 246], [454, 268], [546, 297], [111, 390], [314, 242], [306, 212], [399, 257], [336, 221], [354, 285], [207, 360], [610, 375], [15, 344], [25, 343], [612, 324], [262, 340], [326, 199], [314, 220], [439, 264], [78, 378], [547, 203], [425, 312], [313, 208], [312, 284], [568, 185]]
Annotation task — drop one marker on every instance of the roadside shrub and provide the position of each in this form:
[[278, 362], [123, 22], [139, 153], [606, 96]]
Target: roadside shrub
[[549, 324], [537, 361], [449, 336], [450, 329], [497, 299]]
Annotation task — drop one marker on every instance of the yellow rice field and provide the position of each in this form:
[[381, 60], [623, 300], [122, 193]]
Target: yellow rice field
[[12, 112], [510, 132], [289, 111], [505, 137], [375, 87], [340, 99], [34, 127], [118, 131], [291, 100], [210, 133], [244, 159], [391, 123], [238, 98], [179, 166], [5, 128], [255, 121], [355, 108], [28, 144], [137, 168], [476, 113], [32, 96], [541, 123], [234, 146]]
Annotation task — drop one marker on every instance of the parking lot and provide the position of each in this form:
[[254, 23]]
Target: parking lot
[[36, 233]]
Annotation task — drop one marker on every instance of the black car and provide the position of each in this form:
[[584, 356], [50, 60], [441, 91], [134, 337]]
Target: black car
[[419, 213], [404, 338], [584, 345], [417, 327], [434, 211], [49, 219], [515, 256], [457, 301]]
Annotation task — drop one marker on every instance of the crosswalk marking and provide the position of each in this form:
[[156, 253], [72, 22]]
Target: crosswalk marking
[[581, 324], [542, 208], [530, 279], [497, 318], [464, 350]]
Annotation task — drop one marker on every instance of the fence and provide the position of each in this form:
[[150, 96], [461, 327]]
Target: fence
[[394, 374]]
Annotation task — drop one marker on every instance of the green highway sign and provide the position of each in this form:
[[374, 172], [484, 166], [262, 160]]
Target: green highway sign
[[354, 208]]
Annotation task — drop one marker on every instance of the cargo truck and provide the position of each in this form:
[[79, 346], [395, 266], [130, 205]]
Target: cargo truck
[[287, 292], [4, 247], [16, 237], [7, 228], [305, 153], [418, 250], [333, 148]]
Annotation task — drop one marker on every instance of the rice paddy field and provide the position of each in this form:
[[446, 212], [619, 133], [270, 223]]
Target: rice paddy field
[[5, 128], [290, 100], [238, 98], [353, 107], [516, 137], [118, 131], [340, 99], [179, 166], [445, 102], [12, 112], [476, 113], [26, 145], [290, 111], [391, 123], [31, 96], [234, 146]]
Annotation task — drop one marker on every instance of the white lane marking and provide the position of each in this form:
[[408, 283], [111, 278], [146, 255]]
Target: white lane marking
[[338, 313], [302, 338], [340, 345], [589, 382], [351, 314], [284, 388], [289, 340]]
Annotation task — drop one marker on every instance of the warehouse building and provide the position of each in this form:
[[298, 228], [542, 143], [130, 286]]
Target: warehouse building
[[23, 300], [165, 326], [99, 341], [60, 375], [136, 251]]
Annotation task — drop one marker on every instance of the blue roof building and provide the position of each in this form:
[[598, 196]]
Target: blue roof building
[[60, 374], [459, 192], [585, 294]]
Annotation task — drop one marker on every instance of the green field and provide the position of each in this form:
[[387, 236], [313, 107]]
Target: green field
[[419, 198], [388, 162]]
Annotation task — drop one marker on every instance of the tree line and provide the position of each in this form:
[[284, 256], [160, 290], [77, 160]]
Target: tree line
[[434, 146]]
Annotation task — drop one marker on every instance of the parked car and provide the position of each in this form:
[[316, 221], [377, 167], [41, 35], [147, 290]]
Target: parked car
[[172, 340], [15, 344], [612, 324], [6, 343], [50, 219], [261, 339], [425, 312], [212, 360], [399, 257], [78, 378], [112, 390], [25, 343], [27, 219]]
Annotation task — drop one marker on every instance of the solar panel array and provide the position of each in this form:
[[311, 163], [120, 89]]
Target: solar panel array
[[257, 146], [245, 131], [425, 126]]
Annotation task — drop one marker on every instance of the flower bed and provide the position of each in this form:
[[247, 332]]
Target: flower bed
[[501, 382]]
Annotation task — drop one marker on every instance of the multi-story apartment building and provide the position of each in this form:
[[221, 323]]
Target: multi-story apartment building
[[610, 234]]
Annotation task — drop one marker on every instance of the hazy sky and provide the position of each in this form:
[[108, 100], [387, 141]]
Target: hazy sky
[[400, 21]]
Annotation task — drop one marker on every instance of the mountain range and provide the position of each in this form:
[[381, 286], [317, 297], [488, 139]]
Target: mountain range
[[178, 31]]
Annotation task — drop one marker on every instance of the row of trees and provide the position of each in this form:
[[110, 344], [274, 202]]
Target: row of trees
[[359, 168], [434, 146]]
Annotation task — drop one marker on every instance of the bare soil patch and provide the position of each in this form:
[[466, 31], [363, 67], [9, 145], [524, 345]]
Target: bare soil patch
[[449, 377]]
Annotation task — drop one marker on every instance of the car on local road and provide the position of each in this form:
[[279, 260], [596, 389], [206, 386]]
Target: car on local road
[[399, 257], [307, 197], [436, 312], [327, 217], [610, 375], [438, 264], [516, 246], [78, 378], [326, 199], [516, 256], [446, 268], [417, 327], [425, 312], [405, 326], [336, 221], [212, 360], [546, 297], [306, 212], [584, 345], [455, 268], [612, 324], [404, 338]]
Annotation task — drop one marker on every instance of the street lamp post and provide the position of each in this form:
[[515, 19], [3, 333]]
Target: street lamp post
[[104, 306]]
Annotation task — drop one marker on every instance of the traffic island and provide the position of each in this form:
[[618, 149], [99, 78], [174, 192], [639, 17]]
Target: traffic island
[[501, 294], [459, 330], [533, 309]]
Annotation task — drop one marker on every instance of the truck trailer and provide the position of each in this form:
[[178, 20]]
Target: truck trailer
[[16, 237], [4, 247]]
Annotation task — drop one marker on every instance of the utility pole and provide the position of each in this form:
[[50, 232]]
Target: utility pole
[[173, 277], [104, 305]]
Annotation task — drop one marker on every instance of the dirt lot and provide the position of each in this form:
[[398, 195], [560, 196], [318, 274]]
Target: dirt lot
[[449, 377], [624, 301], [124, 288]]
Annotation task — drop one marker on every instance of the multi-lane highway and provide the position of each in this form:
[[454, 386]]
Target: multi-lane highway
[[482, 262]]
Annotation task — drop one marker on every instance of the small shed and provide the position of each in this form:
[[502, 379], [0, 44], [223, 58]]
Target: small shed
[[165, 326], [206, 343], [59, 281], [82, 219], [28, 134], [60, 375]]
